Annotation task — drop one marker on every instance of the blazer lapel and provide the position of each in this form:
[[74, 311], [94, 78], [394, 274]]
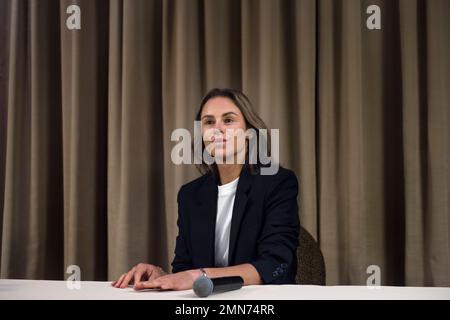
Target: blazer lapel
[[240, 203], [205, 222]]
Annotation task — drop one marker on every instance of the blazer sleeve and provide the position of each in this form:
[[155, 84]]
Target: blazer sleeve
[[182, 260], [277, 245]]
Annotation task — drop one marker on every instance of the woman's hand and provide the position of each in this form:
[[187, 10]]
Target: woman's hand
[[141, 272], [175, 281]]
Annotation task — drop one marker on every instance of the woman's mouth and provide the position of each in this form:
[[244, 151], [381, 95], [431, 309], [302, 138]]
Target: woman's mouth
[[219, 140]]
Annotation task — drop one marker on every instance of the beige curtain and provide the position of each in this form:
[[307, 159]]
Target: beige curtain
[[86, 118]]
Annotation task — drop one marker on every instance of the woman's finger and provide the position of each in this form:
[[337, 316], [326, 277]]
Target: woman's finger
[[148, 285], [114, 282], [156, 273], [119, 281], [140, 270], [127, 278]]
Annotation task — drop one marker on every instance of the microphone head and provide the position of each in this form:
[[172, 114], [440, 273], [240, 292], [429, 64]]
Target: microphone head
[[203, 286]]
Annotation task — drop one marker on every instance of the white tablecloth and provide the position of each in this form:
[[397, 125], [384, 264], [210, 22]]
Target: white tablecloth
[[42, 289]]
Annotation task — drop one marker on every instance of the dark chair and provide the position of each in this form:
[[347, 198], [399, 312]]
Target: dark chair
[[311, 265]]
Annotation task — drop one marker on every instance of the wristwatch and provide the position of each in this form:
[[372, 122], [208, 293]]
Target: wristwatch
[[203, 272]]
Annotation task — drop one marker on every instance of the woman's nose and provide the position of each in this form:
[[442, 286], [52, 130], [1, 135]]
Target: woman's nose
[[219, 126]]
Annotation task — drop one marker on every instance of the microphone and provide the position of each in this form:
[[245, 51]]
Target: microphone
[[204, 286]]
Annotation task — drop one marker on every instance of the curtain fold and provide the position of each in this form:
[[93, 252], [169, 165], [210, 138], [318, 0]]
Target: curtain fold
[[86, 176], [84, 114]]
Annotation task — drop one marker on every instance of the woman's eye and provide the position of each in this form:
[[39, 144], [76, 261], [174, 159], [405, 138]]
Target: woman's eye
[[207, 122], [229, 120]]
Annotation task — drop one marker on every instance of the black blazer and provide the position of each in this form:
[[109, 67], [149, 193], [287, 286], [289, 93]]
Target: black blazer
[[264, 226]]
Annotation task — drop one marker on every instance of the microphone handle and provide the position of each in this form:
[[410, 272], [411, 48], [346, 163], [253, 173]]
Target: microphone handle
[[227, 283]]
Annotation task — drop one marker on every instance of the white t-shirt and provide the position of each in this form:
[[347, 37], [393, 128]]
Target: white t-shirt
[[225, 202]]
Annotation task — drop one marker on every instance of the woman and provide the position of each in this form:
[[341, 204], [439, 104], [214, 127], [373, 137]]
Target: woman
[[233, 220]]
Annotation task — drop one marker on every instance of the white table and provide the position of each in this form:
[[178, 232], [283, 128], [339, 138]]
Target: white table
[[97, 290]]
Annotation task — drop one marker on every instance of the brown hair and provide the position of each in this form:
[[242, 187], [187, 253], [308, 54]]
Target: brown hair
[[252, 120]]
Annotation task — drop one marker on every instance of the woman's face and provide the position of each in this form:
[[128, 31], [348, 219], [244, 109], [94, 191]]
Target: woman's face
[[222, 127]]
